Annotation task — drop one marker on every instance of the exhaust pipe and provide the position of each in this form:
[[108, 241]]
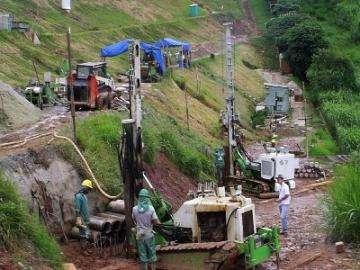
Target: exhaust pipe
[[117, 206]]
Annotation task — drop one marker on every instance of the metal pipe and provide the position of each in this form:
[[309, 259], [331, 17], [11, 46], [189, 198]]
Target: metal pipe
[[99, 224], [116, 222], [94, 235], [117, 206]]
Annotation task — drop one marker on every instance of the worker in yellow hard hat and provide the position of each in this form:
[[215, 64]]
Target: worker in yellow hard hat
[[82, 209]]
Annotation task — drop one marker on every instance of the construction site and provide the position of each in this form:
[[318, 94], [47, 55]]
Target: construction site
[[179, 134]]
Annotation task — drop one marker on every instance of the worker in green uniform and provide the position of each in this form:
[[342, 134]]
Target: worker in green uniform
[[82, 209], [144, 216]]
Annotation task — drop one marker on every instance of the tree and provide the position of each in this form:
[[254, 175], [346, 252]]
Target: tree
[[330, 71], [278, 26], [301, 42]]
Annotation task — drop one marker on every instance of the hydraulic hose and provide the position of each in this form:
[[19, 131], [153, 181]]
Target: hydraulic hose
[[16, 144]]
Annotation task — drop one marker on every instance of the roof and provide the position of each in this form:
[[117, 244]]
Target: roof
[[91, 64], [225, 245]]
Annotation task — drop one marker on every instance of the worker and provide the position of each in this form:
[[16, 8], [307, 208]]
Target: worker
[[144, 216], [284, 204], [82, 209]]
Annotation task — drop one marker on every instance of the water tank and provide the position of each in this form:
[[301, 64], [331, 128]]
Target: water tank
[[66, 4]]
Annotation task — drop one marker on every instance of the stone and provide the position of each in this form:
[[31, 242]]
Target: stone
[[340, 247]]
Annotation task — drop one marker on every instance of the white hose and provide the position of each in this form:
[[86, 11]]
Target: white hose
[[16, 144]]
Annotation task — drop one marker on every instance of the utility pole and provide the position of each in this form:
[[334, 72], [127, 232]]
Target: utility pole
[[230, 98], [132, 144], [70, 82]]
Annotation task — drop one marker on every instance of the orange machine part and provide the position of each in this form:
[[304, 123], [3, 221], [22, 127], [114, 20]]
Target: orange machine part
[[93, 91]]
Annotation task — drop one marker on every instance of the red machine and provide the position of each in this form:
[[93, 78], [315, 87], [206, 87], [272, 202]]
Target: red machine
[[91, 85]]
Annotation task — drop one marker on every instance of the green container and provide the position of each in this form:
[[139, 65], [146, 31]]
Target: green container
[[194, 10]]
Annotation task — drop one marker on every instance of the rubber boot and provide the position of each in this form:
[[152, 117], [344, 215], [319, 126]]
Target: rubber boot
[[143, 266]]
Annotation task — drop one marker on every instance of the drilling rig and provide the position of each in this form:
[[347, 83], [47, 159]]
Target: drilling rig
[[256, 176], [214, 230]]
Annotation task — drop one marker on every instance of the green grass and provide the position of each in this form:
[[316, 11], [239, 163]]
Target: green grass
[[343, 203], [321, 144], [261, 12], [18, 228], [99, 135]]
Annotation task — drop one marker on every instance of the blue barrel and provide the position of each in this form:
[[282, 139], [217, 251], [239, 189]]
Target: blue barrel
[[194, 10]]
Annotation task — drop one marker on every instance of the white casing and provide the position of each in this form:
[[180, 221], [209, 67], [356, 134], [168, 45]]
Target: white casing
[[274, 164], [186, 216]]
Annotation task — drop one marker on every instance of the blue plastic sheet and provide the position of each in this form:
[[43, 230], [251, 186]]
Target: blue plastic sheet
[[170, 42], [115, 49], [123, 46]]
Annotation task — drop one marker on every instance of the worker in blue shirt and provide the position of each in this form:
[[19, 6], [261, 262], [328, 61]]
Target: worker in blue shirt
[[82, 209]]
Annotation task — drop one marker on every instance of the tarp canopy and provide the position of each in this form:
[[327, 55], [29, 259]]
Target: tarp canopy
[[123, 46], [115, 49], [170, 42]]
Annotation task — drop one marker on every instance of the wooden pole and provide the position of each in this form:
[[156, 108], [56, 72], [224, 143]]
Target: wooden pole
[[128, 175], [72, 104], [187, 109]]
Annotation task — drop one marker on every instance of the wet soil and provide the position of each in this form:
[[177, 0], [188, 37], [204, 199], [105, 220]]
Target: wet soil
[[307, 234], [169, 181]]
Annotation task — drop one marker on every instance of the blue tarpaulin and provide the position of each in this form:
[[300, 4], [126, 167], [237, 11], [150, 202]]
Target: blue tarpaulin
[[123, 46], [170, 42], [115, 49]]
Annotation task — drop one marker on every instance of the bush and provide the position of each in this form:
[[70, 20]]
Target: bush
[[278, 26], [343, 203], [302, 42], [283, 7], [329, 71], [258, 118], [18, 227], [321, 144], [349, 138]]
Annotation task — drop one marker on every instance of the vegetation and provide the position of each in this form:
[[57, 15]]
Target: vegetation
[[330, 71], [343, 203], [19, 230], [321, 144]]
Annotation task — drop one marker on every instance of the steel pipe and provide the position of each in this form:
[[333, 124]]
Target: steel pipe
[[117, 206], [100, 224], [116, 222], [94, 235]]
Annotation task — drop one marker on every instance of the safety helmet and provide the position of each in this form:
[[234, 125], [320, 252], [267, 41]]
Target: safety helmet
[[144, 193], [87, 184], [273, 141]]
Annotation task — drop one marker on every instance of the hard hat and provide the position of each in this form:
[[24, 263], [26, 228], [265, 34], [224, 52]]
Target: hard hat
[[144, 193], [87, 183], [274, 136], [273, 141]]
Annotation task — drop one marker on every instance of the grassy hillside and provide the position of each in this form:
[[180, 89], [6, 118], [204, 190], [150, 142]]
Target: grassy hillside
[[165, 125], [22, 233], [95, 24]]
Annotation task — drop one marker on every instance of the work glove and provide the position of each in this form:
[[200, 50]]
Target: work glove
[[78, 222]]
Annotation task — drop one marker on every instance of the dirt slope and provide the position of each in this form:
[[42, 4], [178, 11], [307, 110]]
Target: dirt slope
[[16, 109]]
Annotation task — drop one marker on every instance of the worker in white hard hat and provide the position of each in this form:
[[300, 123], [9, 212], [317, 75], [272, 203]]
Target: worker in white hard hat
[[284, 203], [82, 209]]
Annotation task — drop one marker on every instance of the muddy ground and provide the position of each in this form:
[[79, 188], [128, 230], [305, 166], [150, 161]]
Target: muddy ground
[[306, 232]]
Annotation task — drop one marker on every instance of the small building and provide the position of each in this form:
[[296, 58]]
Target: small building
[[6, 21], [277, 99]]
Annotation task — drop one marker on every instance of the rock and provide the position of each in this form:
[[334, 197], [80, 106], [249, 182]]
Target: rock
[[340, 247], [69, 266]]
